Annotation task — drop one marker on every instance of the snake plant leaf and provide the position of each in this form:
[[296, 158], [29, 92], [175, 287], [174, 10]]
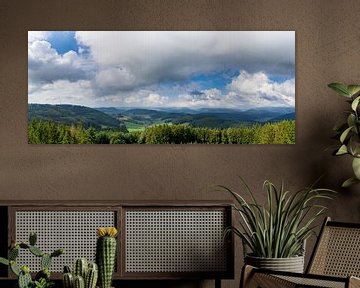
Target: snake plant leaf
[[353, 89], [356, 167], [349, 182], [355, 103], [342, 150], [340, 88], [278, 228], [345, 134]]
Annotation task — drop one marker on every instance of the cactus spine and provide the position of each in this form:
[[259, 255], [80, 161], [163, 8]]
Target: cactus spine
[[106, 254]]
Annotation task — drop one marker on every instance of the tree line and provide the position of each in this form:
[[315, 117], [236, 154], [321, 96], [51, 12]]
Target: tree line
[[48, 132]]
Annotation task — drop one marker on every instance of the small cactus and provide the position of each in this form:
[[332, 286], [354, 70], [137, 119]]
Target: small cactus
[[14, 268], [44, 273], [36, 251], [57, 252], [23, 273], [67, 269], [24, 245], [80, 267], [91, 276], [89, 272], [68, 280], [32, 238], [13, 253], [79, 282], [45, 261], [24, 280], [106, 254]]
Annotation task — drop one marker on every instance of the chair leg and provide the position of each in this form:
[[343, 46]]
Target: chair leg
[[217, 283], [246, 274]]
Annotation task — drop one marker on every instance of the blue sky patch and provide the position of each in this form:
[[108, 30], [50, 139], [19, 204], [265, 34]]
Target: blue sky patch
[[63, 41]]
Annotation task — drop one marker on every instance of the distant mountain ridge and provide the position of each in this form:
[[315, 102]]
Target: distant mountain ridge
[[112, 117], [203, 117]]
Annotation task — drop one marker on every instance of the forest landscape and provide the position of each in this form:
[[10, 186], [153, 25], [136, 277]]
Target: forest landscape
[[161, 87]]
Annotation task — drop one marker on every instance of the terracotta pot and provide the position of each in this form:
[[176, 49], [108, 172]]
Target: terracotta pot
[[291, 264]]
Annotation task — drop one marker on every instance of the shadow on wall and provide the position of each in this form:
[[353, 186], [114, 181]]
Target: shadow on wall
[[335, 169]]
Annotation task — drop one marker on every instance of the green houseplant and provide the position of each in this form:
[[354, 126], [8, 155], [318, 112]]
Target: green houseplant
[[275, 233], [42, 278], [349, 131]]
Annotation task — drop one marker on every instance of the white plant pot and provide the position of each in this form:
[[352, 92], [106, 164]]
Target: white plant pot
[[291, 264]]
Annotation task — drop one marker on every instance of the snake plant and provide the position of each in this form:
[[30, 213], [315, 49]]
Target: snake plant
[[279, 228], [349, 131]]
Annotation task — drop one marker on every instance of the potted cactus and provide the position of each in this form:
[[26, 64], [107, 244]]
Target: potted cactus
[[42, 278], [106, 254], [85, 275]]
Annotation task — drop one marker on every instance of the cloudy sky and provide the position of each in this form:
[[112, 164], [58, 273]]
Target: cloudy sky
[[233, 69]]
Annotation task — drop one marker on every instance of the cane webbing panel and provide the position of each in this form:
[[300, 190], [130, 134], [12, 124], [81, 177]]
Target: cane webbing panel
[[338, 252], [267, 280], [175, 241], [75, 231], [313, 282]]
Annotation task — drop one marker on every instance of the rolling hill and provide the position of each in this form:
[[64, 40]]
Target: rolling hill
[[72, 114], [204, 117], [139, 118]]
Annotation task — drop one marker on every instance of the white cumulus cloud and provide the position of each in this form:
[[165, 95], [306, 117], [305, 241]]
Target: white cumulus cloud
[[64, 92], [45, 65], [149, 57], [258, 89]]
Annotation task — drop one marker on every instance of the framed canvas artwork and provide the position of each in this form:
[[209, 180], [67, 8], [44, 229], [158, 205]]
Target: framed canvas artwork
[[161, 87]]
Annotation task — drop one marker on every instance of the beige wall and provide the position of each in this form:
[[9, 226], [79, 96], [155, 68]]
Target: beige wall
[[327, 50]]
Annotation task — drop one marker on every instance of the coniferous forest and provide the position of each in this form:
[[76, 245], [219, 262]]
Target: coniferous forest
[[49, 132]]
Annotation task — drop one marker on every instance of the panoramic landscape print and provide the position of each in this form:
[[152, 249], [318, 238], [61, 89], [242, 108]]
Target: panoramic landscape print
[[161, 87]]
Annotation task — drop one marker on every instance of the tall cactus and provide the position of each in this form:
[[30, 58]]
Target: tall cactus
[[106, 254]]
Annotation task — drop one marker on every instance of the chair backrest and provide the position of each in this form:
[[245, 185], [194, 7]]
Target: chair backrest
[[337, 251]]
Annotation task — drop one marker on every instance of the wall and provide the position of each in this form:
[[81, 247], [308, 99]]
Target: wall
[[327, 50]]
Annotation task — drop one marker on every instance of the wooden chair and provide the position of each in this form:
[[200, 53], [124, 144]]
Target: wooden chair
[[334, 263]]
